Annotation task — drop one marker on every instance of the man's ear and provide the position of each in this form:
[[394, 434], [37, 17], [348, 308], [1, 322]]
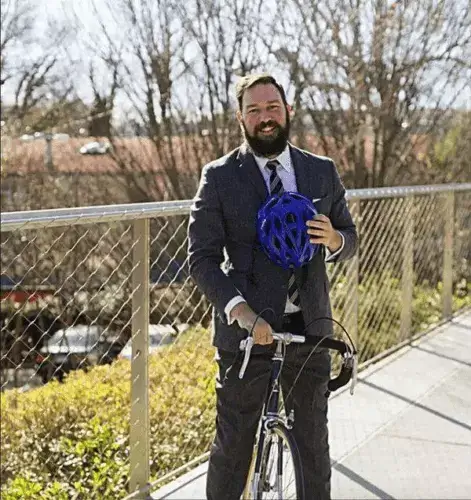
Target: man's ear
[[290, 111], [239, 116]]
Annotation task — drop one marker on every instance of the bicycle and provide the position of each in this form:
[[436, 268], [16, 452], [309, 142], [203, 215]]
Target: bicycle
[[276, 454]]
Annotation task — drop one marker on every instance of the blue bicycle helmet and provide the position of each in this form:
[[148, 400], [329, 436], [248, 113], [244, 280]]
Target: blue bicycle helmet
[[282, 230]]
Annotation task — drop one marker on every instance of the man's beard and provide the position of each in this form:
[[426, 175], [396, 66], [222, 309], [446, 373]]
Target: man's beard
[[269, 145]]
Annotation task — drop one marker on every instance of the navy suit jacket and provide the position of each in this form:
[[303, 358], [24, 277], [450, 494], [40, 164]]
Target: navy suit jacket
[[224, 256]]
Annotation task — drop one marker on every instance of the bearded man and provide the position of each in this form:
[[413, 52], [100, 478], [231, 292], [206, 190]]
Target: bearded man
[[223, 221]]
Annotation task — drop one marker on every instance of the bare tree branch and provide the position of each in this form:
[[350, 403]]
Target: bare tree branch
[[377, 76]]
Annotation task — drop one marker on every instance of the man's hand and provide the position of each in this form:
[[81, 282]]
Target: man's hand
[[262, 331], [324, 234]]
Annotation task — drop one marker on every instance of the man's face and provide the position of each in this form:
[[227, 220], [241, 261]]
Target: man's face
[[265, 120]]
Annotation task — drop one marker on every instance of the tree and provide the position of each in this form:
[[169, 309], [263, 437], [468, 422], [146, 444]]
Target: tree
[[16, 25], [104, 100], [177, 67], [31, 68], [447, 158], [226, 35], [134, 51], [376, 77]]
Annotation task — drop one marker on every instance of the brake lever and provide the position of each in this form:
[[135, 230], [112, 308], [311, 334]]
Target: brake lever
[[354, 374], [245, 345]]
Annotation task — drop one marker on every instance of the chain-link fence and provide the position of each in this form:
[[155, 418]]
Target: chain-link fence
[[106, 360]]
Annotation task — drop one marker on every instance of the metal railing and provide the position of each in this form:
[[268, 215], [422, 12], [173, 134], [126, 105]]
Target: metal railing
[[123, 270]]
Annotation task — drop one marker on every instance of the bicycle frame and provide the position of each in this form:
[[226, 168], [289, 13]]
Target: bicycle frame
[[271, 412]]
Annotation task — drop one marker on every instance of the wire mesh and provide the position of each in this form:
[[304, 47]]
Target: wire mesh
[[428, 261], [462, 250], [73, 283], [66, 311]]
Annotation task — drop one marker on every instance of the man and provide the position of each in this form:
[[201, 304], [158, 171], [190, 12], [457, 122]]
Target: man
[[223, 219]]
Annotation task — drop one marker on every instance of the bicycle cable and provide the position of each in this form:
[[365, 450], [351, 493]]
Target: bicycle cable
[[317, 345]]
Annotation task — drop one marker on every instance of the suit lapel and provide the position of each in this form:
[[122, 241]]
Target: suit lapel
[[308, 180], [308, 184], [250, 172], [301, 171]]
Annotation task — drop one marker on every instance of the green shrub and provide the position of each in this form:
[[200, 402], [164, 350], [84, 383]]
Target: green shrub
[[71, 440]]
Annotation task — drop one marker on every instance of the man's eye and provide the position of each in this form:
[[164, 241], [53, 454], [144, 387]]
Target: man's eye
[[253, 110], [273, 107]]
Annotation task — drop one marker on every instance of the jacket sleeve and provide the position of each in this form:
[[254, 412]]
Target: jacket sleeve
[[206, 241], [341, 219]]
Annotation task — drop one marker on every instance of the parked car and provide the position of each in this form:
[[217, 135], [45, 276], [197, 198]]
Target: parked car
[[159, 336], [61, 137], [72, 348], [27, 137], [95, 148]]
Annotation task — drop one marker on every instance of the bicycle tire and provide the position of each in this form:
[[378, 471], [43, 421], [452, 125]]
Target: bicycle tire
[[277, 439]]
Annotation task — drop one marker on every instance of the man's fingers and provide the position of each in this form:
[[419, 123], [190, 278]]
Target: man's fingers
[[323, 227], [319, 224], [317, 232], [263, 336], [263, 341], [316, 223], [267, 338]]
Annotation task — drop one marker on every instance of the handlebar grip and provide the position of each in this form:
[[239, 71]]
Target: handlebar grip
[[343, 377], [327, 342]]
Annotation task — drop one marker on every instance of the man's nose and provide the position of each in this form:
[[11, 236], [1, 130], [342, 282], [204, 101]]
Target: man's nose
[[265, 117]]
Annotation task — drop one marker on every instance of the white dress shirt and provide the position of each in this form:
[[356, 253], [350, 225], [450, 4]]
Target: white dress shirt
[[285, 171]]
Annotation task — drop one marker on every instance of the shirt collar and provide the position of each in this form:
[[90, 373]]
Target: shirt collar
[[284, 158]]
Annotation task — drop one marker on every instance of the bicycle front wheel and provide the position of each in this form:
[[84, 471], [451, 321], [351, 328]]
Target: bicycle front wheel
[[280, 476]]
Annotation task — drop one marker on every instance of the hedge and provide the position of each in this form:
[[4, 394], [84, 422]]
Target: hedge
[[71, 440]]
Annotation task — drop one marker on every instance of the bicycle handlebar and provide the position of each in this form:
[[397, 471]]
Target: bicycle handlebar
[[348, 370]]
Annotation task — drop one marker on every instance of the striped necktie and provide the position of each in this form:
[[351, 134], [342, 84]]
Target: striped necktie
[[276, 187]]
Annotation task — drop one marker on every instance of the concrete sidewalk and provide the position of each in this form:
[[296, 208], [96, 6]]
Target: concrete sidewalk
[[405, 434]]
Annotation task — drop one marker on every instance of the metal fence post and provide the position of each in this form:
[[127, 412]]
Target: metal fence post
[[48, 153], [139, 432], [449, 223], [407, 270], [355, 266]]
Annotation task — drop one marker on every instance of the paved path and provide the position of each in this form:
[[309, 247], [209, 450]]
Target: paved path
[[405, 434]]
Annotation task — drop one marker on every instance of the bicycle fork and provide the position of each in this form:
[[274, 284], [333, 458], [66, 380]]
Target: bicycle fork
[[269, 418]]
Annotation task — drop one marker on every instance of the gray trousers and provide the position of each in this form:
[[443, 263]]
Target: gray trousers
[[239, 407]]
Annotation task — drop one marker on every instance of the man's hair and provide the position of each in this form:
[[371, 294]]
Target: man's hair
[[249, 81]]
